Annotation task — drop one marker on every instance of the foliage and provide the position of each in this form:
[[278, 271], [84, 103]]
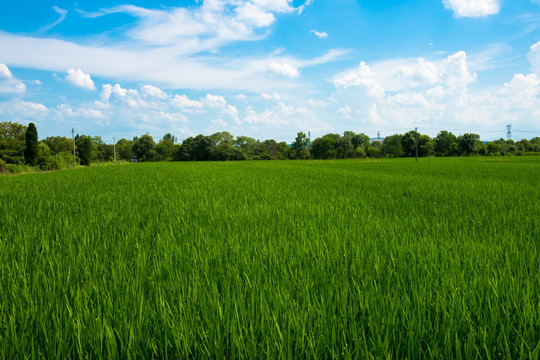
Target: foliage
[[468, 143], [58, 144], [445, 144], [144, 148], [287, 259], [325, 147], [85, 148], [124, 149], [11, 135], [392, 146], [31, 150], [223, 146]]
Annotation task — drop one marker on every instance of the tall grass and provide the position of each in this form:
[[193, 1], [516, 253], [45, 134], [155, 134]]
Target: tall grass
[[333, 259]]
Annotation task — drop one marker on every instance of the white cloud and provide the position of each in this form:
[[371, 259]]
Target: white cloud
[[274, 96], [130, 97], [421, 73], [362, 77], [215, 101], [456, 72], [274, 5], [283, 69], [316, 103], [319, 34], [206, 27], [534, 58], [59, 11], [153, 92], [253, 15], [241, 97], [182, 102], [472, 8], [80, 79], [164, 65], [106, 91], [231, 110], [165, 118], [8, 83], [69, 111], [345, 111]]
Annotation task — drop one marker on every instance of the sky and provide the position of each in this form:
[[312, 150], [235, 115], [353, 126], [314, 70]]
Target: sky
[[271, 68]]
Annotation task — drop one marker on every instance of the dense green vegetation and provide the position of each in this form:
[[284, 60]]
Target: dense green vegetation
[[273, 259], [54, 153]]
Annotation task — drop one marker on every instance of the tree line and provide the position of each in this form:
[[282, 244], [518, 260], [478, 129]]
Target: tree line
[[20, 148]]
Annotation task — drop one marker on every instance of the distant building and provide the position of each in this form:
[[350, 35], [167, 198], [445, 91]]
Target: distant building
[[378, 138]]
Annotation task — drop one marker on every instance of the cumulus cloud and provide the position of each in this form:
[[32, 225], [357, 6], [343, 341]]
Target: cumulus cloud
[[253, 15], [409, 92], [215, 101], [472, 8], [319, 34], [274, 96], [345, 111], [182, 102], [130, 97], [283, 69], [421, 73], [69, 111], [153, 92], [362, 77], [8, 83], [80, 79]]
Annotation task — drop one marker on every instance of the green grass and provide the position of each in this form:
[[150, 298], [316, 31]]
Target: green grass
[[307, 259]]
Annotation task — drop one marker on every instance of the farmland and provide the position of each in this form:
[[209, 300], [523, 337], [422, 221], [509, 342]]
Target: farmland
[[276, 259]]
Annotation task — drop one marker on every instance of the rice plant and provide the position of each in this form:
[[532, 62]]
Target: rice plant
[[276, 259]]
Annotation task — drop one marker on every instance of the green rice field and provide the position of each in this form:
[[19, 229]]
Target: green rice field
[[350, 259]]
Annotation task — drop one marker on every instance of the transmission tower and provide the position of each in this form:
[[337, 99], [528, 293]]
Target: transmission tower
[[509, 132]]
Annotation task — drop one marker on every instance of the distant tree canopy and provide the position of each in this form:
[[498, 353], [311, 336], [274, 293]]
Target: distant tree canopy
[[31, 140], [19, 145], [85, 148]]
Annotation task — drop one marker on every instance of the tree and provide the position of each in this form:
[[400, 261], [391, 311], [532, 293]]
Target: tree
[[31, 151], [425, 146], [344, 147], [11, 135], [58, 144], [325, 147], [124, 149], [85, 148], [360, 140], [221, 137], [445, 144], [165, 147], [144, 148], [226, 151], [408, 142], [201, 148], [169, 137], [468, 143], [392, 146]]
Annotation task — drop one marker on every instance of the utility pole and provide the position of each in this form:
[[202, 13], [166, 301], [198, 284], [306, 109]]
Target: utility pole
[[416, 141], [509, 132], [73, 138], [114, 148]]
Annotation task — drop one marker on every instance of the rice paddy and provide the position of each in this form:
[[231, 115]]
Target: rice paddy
[[277, 259]]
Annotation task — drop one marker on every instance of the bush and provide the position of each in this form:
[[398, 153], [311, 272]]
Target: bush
[[17, 169], [3, 168]]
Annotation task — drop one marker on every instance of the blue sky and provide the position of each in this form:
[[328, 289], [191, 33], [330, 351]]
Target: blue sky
[[271, 68]]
